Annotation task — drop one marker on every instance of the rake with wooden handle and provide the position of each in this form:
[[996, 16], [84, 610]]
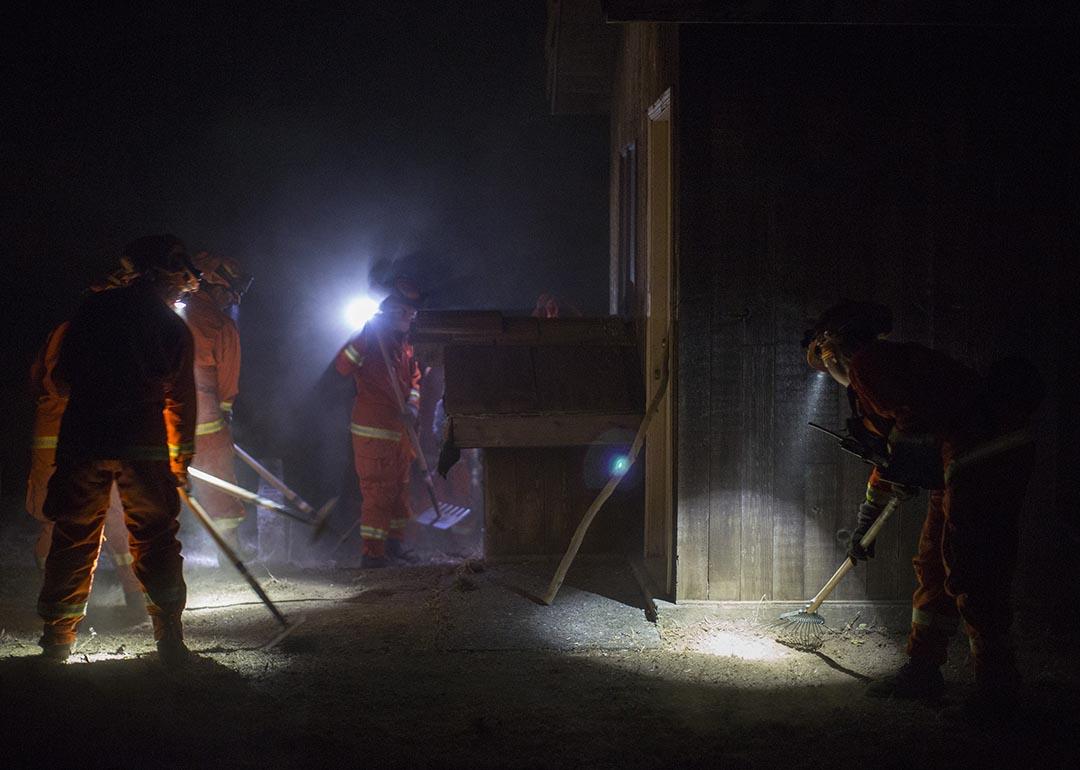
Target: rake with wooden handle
[[805, 628]]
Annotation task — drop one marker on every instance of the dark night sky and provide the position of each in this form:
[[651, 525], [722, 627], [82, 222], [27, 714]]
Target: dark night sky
[[306, 143]]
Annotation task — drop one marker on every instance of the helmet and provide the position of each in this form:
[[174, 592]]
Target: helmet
[[222, 271], [404, 293], [161, 256], [848, 322]]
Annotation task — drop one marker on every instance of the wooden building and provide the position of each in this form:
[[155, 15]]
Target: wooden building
[[768, 158]]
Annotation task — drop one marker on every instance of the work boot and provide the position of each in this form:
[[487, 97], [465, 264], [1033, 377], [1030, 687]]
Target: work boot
[[169, 634], [916, 680], [55, 653], [173, 653], [396, 551]]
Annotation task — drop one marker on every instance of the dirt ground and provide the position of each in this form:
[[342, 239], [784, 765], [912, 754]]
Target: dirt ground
[[452, 665]]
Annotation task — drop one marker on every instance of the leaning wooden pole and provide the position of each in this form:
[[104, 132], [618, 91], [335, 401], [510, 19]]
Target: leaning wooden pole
[[613, 481]]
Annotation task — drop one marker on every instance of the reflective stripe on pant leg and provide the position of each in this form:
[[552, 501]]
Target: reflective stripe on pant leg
[[152, 505], [934, 616], [376, 469], [77, 500]]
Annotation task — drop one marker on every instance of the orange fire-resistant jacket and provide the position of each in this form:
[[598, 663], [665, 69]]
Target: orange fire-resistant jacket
[[217, 364], [375, 412], [922, 393], [127, 360], [50, 396]]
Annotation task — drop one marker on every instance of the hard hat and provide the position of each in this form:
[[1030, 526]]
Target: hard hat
[[162, 255], [847, 320], [222, 271], [405, 293]]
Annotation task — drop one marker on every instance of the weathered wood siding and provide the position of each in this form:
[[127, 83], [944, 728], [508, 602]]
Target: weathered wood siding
[[924, 168]]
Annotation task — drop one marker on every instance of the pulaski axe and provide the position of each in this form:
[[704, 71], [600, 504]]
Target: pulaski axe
[[321, 516], [204, 519], [241, 494]]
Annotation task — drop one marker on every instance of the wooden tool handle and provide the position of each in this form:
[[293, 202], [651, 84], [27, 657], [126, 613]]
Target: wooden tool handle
[[848, 564]]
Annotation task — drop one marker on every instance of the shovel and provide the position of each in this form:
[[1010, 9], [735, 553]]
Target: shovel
[[439, 513]]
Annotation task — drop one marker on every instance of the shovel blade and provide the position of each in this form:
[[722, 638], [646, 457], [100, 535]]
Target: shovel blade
[[451, 515]]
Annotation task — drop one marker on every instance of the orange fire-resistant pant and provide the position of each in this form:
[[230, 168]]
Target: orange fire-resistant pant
[[965, 562], [383, 467], [77, 501], [214, 454], [42, 464]]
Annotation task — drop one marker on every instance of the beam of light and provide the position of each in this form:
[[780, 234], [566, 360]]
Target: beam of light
[[179, 305], [359, 311], [728, 644], [620, 464]]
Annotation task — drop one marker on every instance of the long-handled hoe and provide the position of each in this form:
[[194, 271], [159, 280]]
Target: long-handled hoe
[[805, 628], [204, 519]]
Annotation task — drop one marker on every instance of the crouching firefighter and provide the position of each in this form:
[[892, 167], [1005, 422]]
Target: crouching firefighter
[[381, 447], [127, 363], [939, 425]]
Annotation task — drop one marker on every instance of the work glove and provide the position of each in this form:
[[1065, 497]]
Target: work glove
[[868, 513], [179, 467]]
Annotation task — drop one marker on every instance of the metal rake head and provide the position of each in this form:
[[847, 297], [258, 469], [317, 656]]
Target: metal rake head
[[800, 629]]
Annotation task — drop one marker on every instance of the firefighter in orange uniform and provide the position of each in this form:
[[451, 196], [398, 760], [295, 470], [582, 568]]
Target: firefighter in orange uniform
[[127, 361], [381, 448], [217, 382], [938, 425], [51, 401]]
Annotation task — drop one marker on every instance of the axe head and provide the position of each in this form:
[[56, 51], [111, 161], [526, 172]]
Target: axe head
[[322, 516]]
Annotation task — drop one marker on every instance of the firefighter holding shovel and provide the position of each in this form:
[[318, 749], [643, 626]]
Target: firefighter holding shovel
[[382, 449]]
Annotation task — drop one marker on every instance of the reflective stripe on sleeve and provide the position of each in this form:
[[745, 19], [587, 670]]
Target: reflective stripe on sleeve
[[44, 442], [175, 450], [414, 395], [353, 354], [944, 623], [367, 431]]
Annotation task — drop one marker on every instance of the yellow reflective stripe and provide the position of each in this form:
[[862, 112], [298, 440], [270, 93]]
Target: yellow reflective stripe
[[122, 559], [373, 533], [206, 428], [44, 442], [366, 431], [228, 524], [414, 395], [398, 523], [353, 354], [937, 621], [60, 611], [175, 450]]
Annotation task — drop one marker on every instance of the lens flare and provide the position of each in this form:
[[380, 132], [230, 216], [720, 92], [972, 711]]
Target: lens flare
[[620, 465], [359, 311]]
